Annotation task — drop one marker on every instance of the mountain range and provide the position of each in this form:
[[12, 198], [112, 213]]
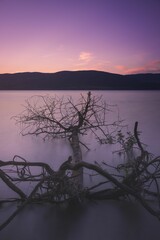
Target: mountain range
[[79, 80]]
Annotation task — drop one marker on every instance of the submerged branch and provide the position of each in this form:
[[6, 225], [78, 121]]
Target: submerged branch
[[11, 185], [57, 187], [137, 179], [45, 166]]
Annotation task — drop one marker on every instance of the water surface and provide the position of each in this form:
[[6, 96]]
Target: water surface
[[106, 220]]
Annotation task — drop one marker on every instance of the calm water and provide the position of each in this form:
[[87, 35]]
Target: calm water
[[142, 106], [111, 221]]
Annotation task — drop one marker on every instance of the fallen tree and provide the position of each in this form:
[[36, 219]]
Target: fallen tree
[[135, 179]]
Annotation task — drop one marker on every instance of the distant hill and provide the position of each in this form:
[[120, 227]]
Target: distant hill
[[79, 80]]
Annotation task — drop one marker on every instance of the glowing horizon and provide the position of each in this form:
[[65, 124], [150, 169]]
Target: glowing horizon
[[51, 36]]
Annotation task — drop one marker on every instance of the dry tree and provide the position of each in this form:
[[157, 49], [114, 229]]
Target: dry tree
[[53, 117]]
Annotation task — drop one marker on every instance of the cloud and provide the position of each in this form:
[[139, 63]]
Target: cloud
[[85, 56], [89, 61], [121, 68], [151, 67]]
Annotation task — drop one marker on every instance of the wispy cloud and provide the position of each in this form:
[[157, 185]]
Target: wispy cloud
[[151, 67], [121, 69], [85, 56], [89, 61]]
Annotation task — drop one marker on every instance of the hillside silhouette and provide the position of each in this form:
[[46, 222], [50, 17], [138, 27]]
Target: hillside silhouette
[[79, 80]]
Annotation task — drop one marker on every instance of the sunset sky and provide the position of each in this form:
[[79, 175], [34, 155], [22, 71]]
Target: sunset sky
[[119, 36]]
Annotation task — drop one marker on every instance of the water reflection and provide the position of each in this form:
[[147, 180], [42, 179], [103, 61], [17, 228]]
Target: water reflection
[[107, 220]]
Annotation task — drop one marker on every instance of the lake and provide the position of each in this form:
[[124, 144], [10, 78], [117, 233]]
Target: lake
[[106, 220]]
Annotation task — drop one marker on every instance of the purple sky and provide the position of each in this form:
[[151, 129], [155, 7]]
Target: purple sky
[[119, 36]]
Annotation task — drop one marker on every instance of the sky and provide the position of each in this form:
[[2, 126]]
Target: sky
[[118, 36]]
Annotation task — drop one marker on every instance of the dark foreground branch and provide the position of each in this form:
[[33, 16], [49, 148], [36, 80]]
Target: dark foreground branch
[[124, 188], [19, 209], [58, 187], [9, 183]]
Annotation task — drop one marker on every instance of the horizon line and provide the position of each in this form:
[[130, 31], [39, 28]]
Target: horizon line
[[89, 70]]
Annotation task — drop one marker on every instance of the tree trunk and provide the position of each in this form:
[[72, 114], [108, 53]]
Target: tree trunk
[[77, 157]]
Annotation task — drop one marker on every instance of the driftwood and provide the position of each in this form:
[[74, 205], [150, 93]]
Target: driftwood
[[140, 183]]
